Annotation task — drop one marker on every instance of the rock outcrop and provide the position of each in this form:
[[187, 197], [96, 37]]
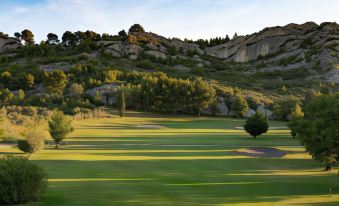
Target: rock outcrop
[[106, 93], [8, 44], [276, 40]]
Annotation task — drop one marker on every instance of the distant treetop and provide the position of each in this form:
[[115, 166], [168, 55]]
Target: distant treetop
[[136, 28]]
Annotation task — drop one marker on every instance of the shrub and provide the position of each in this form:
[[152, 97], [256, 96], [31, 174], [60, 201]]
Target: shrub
[[59, 126], [256, 125], [21, 181], [34, 140]]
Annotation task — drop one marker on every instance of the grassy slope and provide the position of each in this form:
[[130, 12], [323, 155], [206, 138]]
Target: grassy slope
[[193, 161]]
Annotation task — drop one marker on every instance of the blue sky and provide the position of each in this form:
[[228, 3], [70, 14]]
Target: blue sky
[[170, 18]]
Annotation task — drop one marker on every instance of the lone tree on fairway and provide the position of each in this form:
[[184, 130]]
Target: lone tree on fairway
[[318, 131], [256, 125], [59, 127], [122, 102]]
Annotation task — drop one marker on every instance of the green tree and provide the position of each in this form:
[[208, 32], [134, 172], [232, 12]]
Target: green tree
[[76, 90], [204, 94], [17, 35], [6, 96], [122, 102], [296, 115], [240, 106], [28, 81], [318, 131], [283, 108], [69, 39], [136, 28], [55, 82], [256, 125], [6, 78], [21, 95], [59, 126], [52, 39], [27, 36], [97, 98], [122, 33]]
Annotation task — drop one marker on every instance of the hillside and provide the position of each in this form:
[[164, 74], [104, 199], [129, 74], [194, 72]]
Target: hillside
[[275, 64]]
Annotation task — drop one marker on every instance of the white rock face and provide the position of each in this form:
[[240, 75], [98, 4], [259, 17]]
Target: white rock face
[[9, 43], [271, 40]]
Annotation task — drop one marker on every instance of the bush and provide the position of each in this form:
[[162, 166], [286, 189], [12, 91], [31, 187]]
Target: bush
[[34, 140], [21, 181], [24, 146], [256, 125]]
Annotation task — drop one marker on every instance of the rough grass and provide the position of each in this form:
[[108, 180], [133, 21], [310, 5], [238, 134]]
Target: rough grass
[[187, 161]]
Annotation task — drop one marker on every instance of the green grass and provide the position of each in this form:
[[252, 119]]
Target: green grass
[[189, 161]]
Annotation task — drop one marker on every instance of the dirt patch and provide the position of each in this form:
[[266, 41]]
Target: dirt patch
[[263, 152], [151, 126]]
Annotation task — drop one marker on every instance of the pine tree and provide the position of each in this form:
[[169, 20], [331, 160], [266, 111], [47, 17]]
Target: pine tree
[[59, 126], [122, 102], [256, 125]]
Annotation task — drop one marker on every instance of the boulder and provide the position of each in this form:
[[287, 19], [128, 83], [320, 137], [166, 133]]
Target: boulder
[[156, 54], [113, 53], [133, 57], [200, 65], [132, 49], [9, 44]]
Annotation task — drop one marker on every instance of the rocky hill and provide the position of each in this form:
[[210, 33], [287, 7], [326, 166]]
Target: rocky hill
[[292, 46], [312, 47]]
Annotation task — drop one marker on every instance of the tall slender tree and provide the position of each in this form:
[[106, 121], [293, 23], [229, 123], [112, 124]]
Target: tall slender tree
[[122, 102]]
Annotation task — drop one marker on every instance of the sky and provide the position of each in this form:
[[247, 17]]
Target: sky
[[191, 19]]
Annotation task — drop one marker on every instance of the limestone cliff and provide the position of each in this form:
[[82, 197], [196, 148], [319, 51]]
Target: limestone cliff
[[275, 41]]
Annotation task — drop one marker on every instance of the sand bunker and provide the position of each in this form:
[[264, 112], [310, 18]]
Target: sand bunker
[[6, 145], [263, 152], [268, 128], [150, 126]]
